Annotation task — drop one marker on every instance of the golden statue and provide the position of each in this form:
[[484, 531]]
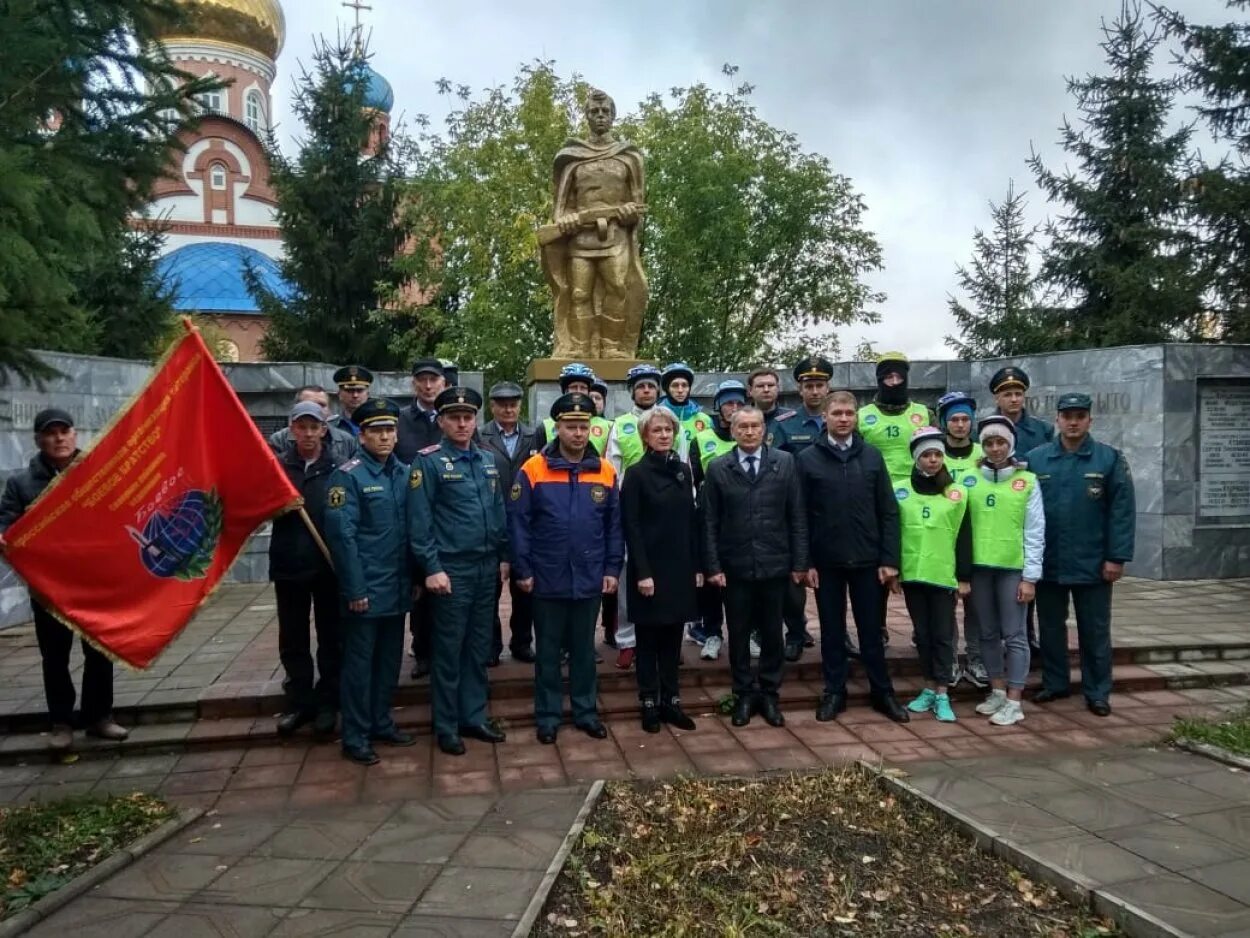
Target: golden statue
[[590, 254]]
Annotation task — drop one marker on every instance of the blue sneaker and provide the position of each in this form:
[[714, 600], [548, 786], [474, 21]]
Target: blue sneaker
[[942, 708], [923, 702]]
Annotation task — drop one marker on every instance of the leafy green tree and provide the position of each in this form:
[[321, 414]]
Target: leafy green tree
[[752, 247], [90, 106], [339, 210], [122, 289], [1121, 260], [1002, 317]]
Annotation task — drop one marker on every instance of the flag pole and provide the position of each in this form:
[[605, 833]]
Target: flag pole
[[316, 536]]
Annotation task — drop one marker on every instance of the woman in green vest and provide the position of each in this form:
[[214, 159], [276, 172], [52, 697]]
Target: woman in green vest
[[1008, 540], [937, 564]]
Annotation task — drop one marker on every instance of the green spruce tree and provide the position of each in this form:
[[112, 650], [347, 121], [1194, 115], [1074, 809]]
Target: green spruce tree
[[1121, 261], [339, 209]]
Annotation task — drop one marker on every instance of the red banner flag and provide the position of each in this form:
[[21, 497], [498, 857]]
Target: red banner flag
[[126, 543]]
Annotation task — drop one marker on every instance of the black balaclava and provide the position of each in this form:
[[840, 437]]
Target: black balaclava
[[894, 396]]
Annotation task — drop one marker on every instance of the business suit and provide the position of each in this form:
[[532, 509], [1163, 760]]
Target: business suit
[[521, 623]]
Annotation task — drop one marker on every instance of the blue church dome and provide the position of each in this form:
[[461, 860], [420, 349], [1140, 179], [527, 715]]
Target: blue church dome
[[378, 92], [209, 277]]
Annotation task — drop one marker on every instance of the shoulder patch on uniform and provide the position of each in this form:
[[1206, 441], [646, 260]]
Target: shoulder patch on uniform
[[433, 448], [414, 480], [350, 464], [337, 496], [515, 493], [784, 415]]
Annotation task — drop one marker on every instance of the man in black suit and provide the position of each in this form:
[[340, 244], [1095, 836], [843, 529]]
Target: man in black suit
[[512, 442]]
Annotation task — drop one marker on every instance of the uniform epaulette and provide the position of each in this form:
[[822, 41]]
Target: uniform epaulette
[[433, 448], [785, 414], [350, 464]]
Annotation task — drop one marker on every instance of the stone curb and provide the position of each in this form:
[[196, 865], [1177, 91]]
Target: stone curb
[[539, 899], [1076, 888], [1217, 753], [35, 913]]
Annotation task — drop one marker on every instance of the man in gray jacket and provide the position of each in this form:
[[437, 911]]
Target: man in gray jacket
[[339, 443]]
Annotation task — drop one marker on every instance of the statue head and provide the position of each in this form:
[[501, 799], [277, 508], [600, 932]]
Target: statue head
[[600, 111]]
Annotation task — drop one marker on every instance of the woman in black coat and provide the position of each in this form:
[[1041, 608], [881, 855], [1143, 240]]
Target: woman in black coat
[[663, 571]]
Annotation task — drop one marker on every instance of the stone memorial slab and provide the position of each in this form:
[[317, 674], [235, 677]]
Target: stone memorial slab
[[1224, 451]]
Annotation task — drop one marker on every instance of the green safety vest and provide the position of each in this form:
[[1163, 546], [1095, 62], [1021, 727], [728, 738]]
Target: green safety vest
[[999, 510], [692, 426], [930, 527], [891, 434], [628, 440], [708, 445], [599, 428], [963, 469]]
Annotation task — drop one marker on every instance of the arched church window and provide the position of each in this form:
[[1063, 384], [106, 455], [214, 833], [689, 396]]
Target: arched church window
[[255, 112], [213, 101], [217, 175]]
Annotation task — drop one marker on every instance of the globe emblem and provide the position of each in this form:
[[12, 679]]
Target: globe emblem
[[174, 537]]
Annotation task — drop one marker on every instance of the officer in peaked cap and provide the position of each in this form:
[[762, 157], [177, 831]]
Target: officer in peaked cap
[[353, 382], [1009, 385], [457, 533]]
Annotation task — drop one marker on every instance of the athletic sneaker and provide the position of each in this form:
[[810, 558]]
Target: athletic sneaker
[[957, 675], [711, 648], [977, 675], [755, 647], [993, 703], [1011, 712], [695, 634], [923, 702], [942, 708]]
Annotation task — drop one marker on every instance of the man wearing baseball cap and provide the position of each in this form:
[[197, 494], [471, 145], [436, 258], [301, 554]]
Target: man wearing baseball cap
[[1091, 513], [57, 441]]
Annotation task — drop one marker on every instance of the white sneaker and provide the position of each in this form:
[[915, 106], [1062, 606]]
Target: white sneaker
[[995, 702], [977, 675], [1010, 712], [755, 648], [711, 648]]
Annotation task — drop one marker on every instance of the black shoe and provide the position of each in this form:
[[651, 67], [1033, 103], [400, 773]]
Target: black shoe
[[420, 668], [744, 709], [493, 661], [1046, 696], [830, 706], [808, 640], [651, 718], [546, 735], [594, 729], [794, 649], [524, 653], [325, 722], [395, 738], [891, 708], [361, 755], [1099, 708], [451, 744], [288, 723], [771, 712], [486, 732], [673, 715]]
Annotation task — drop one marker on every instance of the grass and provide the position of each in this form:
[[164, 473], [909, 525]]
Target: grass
[[1230, 731], [45, 845], [830, 854]]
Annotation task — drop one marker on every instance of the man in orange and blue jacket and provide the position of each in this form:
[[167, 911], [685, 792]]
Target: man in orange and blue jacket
[[567, 550]]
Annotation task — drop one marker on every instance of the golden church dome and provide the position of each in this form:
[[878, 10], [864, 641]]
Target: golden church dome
[[255, 24]]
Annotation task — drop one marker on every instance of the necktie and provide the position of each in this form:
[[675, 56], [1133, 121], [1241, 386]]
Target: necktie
[[751, 467]]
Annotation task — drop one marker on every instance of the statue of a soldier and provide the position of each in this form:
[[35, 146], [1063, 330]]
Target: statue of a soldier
[[590, 254]]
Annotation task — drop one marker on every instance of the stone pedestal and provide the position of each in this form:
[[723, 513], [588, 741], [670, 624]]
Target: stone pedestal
[[609, 369]]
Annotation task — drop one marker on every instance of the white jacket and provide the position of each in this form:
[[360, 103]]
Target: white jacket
[[1034, 521]]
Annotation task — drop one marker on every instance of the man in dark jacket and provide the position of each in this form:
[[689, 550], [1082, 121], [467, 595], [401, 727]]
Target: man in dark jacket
[[340, 443], [57, 441], [353, 383], [852, 520], [511, 442], [1009, 386], [1091, 513], [567, 550], [303, 581], [755, 543]]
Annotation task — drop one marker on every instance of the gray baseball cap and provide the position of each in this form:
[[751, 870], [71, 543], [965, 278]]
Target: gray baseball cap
[[308, 409]]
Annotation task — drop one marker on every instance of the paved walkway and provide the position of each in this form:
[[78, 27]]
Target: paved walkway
[[459, 866], [1166, 831]]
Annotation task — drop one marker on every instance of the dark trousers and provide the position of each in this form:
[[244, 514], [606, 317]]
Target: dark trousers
[[461, 646], [55, 643], [421, 625], [865, 589], [520, 623], [932, 611], [794, 611], [610, 604], [373, 650], [295, 599], [756, 606], [565, 625], [657, 661], [712, 610], [1092, 604]]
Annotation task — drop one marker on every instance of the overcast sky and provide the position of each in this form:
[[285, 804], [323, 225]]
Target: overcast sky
[[929, 106]]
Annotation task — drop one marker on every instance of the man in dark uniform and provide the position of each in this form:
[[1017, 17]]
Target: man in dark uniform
[[1009, 386], [511, 443], [354, 382], [367, 532], [1091, 513], [57, 441], [459, 539], [304, 582], [418, 428], [568, 549], [763, 389]]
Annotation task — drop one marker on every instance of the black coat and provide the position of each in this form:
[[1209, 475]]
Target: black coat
[[754, 530], [492, 440], [415, 432], [293, 554], [852, 515], [661, 539], [24, 487]]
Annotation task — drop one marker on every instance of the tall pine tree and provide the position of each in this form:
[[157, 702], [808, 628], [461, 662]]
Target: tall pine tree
[[1002, 318], [339, 204], [1216, 61], [1120, 259]]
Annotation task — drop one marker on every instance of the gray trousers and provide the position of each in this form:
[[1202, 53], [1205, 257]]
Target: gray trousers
[[1002, 626]]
